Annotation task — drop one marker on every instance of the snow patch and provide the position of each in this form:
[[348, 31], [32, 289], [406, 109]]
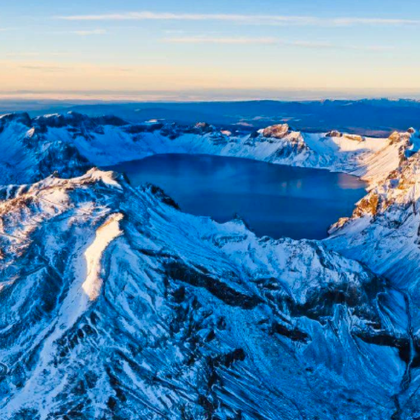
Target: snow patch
[[104, 236]]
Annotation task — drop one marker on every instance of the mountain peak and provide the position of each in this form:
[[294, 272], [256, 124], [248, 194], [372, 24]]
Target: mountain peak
[[17, 117]]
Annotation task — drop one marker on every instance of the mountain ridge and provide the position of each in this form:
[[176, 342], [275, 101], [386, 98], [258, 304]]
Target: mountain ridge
[[106, 141]]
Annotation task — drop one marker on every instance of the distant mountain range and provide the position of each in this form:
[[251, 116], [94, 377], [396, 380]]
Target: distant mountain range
[[375, 117]]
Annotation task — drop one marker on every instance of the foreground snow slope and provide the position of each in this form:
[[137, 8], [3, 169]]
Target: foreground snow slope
[[384, 234], [120, 306], [31, 147]]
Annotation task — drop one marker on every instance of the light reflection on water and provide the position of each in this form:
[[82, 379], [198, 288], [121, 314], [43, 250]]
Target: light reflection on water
[[275, 200], [348, 182]]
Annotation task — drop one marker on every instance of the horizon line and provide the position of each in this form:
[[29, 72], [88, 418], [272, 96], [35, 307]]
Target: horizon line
[[210, 95]]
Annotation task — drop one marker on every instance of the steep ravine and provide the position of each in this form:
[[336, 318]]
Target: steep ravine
[[412, 354]]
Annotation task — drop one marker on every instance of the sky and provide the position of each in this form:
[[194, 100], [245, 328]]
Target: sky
[[205, 50]]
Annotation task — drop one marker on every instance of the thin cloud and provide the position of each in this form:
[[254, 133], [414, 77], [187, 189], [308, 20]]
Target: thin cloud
[[35, 54], [81, 32], [183, 16], [52, 69], [274, 41], [174, 31], [90, 32], [374, 21], [229, 41], [250, 19], [23, 54], [329, 46]]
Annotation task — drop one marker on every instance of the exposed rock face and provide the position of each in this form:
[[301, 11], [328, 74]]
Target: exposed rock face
[[354, 137], [117, 305], [202, 128], [276, 131], [76, 120], [334, 133]]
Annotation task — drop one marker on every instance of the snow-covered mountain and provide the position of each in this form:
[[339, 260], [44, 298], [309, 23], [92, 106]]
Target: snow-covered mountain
[[384, 233], [384, 229], [117, 305], [121, 305], [35, 146]]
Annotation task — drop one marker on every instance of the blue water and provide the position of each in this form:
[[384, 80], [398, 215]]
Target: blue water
[[274, 200]]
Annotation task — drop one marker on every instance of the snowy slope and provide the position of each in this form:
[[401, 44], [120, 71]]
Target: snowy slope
[[121, 306], [391, 211], [384, 234], [26, 156], [107, 141]]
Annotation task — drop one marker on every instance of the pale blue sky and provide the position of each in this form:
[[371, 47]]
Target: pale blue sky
[[191, 49]]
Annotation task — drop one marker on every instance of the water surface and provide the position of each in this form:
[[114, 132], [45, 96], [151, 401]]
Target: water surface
[[274, 200]]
